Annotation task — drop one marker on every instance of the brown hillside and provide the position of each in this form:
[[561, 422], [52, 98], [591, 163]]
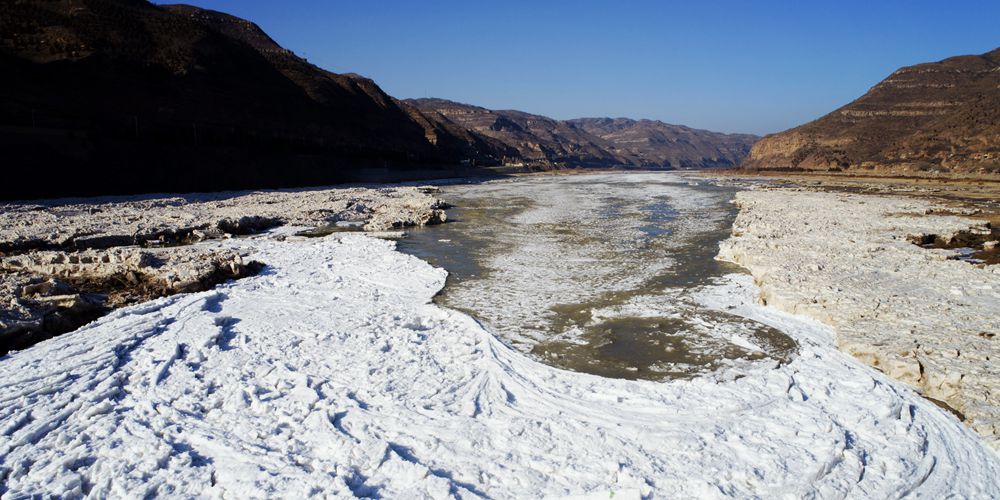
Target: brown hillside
[[935, 117], [592, 142], [656, 144]]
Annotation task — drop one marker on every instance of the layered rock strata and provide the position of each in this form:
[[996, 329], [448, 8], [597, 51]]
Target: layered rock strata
[[929, 119], [541, 142]]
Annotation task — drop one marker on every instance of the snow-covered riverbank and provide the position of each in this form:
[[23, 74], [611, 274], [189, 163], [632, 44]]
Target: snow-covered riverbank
[[66, 262], [332, 372], [915, 313]]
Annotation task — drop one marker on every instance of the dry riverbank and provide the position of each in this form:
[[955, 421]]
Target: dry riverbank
[[850, 260], [64, 263]]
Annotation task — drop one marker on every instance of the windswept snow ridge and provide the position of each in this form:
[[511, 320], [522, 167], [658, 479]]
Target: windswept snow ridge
[[331, 372]]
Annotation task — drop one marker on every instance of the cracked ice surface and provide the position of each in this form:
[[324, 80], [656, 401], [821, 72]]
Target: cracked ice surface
[[332, 372]]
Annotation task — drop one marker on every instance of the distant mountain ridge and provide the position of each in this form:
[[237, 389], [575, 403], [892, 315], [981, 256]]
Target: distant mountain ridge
[[593, 142], [935, 117], [652, 143], [532, 139]]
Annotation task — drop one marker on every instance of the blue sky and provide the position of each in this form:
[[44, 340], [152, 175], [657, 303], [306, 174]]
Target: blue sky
[[733, 66]]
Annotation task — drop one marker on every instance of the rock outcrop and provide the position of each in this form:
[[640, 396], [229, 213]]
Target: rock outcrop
[[52, 292], [919, 314], [921, 120]]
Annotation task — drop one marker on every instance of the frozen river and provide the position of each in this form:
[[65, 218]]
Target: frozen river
[[594, 273]]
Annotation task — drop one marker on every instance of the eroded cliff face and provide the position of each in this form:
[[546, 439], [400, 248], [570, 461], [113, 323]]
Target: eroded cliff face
[[934, 117]]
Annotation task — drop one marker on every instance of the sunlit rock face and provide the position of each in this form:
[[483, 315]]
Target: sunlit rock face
[[935, 117]]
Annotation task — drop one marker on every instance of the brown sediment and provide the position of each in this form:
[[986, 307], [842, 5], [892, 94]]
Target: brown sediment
[[657, 348], [947, 407]]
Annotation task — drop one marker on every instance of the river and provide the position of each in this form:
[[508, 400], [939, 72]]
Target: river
[[594, 273]]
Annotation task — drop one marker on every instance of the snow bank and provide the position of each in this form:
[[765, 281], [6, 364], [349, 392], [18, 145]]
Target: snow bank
[[915, 313], [333, 373]]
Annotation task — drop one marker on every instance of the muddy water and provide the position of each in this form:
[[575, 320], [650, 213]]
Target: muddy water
[[595, 273]]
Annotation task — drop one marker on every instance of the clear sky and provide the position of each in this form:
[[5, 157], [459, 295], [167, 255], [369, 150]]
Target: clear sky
[[735, 66]]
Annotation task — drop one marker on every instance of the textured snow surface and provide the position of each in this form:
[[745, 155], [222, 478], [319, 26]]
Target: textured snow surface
[[916, 313], [333, 373]]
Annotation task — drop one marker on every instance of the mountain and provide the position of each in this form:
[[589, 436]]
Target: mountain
[[120, 96], [533, 139], [653, 143], [125, 96], [941, 116], [591, 142]]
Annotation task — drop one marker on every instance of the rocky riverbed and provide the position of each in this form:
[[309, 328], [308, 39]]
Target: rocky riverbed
[[925, 316], [64, 263]]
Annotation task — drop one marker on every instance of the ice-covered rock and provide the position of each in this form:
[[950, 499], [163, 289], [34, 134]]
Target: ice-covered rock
[[50, 292], [119, 221]]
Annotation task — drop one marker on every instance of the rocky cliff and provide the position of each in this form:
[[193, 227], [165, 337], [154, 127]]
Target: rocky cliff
[[934, 117]]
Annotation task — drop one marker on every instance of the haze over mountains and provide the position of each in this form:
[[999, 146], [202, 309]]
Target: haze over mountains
[[117, 96], [934, 117]]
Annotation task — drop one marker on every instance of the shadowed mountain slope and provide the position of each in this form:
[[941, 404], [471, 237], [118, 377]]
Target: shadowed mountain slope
[[113, 96], [125, 96]]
